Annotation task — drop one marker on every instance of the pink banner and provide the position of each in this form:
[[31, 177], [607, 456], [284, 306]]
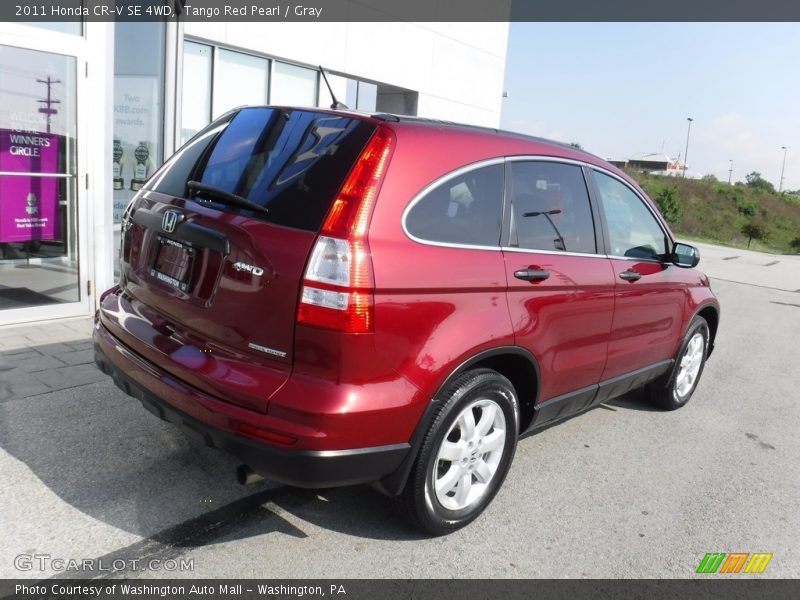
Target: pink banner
[[28, 204]]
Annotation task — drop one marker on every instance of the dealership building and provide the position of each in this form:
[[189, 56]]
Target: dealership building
[[89, 110]]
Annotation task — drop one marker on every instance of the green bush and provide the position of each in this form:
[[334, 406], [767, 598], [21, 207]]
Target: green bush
[[746, 207], [795, 244], [669, 204]]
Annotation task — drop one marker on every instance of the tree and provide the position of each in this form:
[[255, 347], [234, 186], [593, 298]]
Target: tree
[[576, 145], [709, 178], [795, 244], [754, 230], [669, 204], [755, 180], [746, 207]]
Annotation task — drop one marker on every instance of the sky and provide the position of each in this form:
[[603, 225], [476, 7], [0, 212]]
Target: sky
[[621, 89]]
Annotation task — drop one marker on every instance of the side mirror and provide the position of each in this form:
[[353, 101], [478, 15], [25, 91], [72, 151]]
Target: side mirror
[[685, 256]]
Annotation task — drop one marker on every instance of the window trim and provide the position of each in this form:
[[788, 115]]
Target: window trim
[[503, 246], [595, 191], [601, 236]]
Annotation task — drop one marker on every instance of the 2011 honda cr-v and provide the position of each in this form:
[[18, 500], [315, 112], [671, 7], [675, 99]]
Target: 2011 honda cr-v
[[339, 298]]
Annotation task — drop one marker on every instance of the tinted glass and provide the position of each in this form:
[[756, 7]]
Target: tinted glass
[[462, 210], [291, 161], [633, 230], [550, 207]]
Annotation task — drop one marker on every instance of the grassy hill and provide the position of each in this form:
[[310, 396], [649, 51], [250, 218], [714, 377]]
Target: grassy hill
[[714, 211]]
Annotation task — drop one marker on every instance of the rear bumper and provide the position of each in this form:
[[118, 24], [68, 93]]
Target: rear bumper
[[302, 468]]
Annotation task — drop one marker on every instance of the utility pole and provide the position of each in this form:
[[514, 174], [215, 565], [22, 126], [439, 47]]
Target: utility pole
[[730, 172], [686, 153], [783, 166], [47, 108]]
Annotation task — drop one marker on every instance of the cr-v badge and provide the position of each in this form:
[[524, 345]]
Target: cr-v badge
[[256, 271]]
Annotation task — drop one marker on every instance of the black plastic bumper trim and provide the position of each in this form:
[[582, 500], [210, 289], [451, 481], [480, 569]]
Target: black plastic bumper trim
[[301, 468]]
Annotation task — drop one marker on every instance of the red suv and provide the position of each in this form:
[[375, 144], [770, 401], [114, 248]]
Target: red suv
[[338, 298]]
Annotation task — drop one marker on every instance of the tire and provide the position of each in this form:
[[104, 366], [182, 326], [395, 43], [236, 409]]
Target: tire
[[454, 478], [677, 390]]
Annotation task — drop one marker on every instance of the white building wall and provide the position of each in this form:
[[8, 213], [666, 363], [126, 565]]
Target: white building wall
[[457, 68]]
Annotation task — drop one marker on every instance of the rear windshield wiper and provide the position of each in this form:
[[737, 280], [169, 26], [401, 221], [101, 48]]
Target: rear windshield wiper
[[226, 196]]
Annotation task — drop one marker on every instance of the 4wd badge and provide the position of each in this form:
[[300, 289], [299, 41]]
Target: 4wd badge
[[256, 271]]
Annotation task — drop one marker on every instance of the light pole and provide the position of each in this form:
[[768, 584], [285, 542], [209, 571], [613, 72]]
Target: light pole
[[783, 166], [686, 153], [730, 171]]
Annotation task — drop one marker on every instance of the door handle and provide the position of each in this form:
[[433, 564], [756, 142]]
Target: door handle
[[532, 274], [630, 275]]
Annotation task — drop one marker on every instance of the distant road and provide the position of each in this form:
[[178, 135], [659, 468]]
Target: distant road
[[777, 271]]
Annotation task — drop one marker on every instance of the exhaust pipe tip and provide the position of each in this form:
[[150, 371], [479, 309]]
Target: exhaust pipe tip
[[246, 476]]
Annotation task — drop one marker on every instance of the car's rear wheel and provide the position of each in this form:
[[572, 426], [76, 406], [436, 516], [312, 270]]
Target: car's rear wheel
[[677, 390], [465, 455]]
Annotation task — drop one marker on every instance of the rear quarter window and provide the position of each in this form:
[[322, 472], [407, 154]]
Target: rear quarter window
[[464, 210], [293, 162]]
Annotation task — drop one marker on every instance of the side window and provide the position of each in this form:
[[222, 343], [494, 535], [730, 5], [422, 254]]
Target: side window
[[462, 210], [633, 230], [550, 207]]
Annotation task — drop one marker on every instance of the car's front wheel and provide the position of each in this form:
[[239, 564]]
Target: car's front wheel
[[465, 455], [676, 391]]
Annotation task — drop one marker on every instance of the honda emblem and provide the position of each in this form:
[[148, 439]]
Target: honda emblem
[[170, 220]]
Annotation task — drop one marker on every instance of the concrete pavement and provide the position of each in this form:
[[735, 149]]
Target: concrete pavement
[[776, 271], [47, 356]]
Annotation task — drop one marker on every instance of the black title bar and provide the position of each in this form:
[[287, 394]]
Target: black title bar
[[400, 10], [703, 587]]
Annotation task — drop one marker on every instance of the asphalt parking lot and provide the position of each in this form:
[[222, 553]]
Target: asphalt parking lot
[[622, 491]]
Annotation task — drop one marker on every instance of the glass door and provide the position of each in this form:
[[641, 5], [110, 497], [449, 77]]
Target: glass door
[[40, 269]]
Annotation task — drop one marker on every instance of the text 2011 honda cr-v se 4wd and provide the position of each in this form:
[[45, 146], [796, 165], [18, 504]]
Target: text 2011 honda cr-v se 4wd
[[339, 298]]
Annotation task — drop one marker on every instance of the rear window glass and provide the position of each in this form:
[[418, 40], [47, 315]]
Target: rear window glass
[[292, 162]]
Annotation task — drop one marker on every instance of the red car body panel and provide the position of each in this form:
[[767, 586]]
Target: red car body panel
[[637, 338], [565, 320], [435, 308]]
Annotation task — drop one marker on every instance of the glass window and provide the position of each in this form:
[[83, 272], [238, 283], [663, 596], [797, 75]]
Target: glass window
[[291, 161], [550, 207], [38, 177], [293, 86], [462, 210], [339, 86], [633, 230], [138, 108], [239, 79], [352, 93], [196, 89], [367, 96], [137, 149]]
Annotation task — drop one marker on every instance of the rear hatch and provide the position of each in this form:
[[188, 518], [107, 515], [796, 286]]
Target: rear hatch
[[209, 279]]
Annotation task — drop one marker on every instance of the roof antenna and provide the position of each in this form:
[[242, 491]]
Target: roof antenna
[[336, 104]]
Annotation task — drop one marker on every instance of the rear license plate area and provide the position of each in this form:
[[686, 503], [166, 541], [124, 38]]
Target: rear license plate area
[[173, 263]]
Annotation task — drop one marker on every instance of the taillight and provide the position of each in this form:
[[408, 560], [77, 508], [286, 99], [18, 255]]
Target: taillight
[[338, 285]]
